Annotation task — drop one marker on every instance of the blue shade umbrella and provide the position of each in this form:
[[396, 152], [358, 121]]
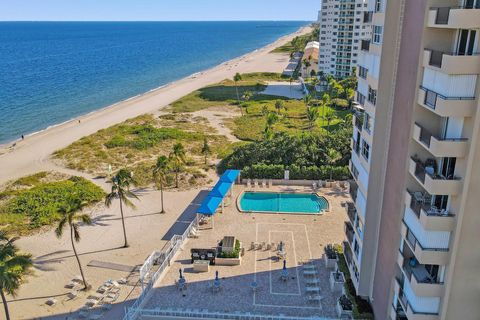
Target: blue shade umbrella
[[284, 271]]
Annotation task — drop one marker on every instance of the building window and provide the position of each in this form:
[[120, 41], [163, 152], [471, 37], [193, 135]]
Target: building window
[[367, 122], [362, 72], [365, 150], [360, 98], [378, 5], [377, 34], [372, 95]]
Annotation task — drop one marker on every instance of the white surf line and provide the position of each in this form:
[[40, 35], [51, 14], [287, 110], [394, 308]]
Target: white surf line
[[295, 264]]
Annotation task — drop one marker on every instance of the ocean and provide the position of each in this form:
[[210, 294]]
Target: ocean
[[51, 72]]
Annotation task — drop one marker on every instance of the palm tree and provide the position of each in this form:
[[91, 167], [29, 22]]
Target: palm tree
[[272, 118], [237, 77], [247, 95], [72, 218], [13, 267], [325, 102], [120, 189], [332, 157], [160, 171], [279, 105], [329, 117], [306, 65], [177, 159], [312, 115], [315, 83], [205, 149]]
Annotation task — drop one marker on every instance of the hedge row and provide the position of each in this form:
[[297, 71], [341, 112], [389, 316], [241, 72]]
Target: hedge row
[[266, 171]]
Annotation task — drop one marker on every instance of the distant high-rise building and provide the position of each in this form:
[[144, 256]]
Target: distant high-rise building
[[414, 221], [342, 27]]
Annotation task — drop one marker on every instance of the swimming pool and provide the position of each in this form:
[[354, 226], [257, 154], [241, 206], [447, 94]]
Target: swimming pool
[[276, 202]]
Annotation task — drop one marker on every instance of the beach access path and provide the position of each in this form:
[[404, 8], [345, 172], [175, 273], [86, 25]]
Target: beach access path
[[32, 154]]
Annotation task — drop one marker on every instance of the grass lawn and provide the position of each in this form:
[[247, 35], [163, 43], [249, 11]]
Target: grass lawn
[[33, 201], [136, 143], [250, 127]]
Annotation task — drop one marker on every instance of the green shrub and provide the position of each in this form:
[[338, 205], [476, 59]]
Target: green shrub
[[39, 205], [231, 254]]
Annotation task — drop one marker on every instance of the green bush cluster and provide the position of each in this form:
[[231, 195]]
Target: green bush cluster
[[231, 254], [265, 171], [39, 205], [147, 136]]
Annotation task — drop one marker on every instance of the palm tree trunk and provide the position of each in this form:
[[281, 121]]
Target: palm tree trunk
[[161, 196], [85, 284], [5, 306], [125, 245]]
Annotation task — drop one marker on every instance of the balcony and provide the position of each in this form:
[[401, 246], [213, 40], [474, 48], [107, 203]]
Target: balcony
[[424, 255], [438, 147], [351, 211], [410, 313], [431, 218], [367, 16], [358, 119], [454, 17], [446, 106], [432, 182], [356, 147], [349, 233], [451, 63]]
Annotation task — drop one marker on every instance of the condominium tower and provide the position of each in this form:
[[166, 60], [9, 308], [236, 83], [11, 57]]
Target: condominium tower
[[413, 230], [341, 29]]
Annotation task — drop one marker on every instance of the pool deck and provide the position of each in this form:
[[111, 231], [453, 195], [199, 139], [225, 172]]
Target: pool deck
[[304, 236]]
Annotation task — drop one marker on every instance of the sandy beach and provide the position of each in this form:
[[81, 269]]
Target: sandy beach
[[32, 154], [55, 265]]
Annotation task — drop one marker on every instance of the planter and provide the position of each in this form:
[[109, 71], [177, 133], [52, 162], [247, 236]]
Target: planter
[[341, 312], [228, 261], [329, 262], [337, 281]]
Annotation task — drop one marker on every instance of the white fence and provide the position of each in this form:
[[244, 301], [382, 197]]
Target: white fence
[[204, 314], [163, 258]]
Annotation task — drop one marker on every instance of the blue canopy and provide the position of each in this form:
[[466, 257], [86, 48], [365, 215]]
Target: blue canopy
[[230, 175], [209, 205], [215, 197], [221, 189]]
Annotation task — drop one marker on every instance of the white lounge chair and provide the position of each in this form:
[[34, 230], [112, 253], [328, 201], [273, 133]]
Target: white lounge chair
[[264, 183], [314, 186], [255, 183], [314, 298], [309, 272], [249, 183], [270, 183]]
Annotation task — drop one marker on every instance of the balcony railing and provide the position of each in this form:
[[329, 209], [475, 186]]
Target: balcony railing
[[356, 147], [443, 13], [431, 97], [359, 121], [414, 243], [421, 201], [351, 211], [420, 273], [437, 57], [421, 170], [349, 233], [426, 137]]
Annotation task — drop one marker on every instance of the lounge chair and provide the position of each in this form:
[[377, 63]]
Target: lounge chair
[[314, 186], [255, 183], [314, 298], [312, 282], [312, 289], [252, 246], [264, 183], [270, 183], [249, 183], [309, 272]]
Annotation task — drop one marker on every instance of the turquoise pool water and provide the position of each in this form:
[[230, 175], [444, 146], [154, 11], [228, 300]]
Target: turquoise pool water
[[307, 203]]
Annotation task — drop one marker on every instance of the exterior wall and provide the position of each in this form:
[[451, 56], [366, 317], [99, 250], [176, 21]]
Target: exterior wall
[[335, 58], [404, 29]]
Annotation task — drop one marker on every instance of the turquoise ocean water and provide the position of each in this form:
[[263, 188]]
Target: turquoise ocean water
[[51, 72]]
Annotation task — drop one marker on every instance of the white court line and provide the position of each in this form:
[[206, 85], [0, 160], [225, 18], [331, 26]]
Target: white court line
[[309, 252], [295, 264]]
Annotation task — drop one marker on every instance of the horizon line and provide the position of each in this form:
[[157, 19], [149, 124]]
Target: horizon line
[[263, 20]]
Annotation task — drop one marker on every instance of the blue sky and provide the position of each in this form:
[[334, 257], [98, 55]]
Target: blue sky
[[153, 10]]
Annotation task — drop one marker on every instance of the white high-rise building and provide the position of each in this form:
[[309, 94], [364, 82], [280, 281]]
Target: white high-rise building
[[343, 24]]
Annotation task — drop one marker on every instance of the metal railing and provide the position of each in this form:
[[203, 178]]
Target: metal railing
[[443, 13], [199, 314], [351, 211], [349, 233], [413, 241], [431, 97], [426, 137], [163, 258], [428, 209]]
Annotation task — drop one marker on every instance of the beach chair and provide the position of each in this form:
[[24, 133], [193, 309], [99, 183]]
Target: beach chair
[[314, 298], [309, 273], [312, 282], [270, 183], [273, 246], [249, 183], [264, 183], [308, 266], [255, 183], [312, 290], [314, 186], [252, 245]]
